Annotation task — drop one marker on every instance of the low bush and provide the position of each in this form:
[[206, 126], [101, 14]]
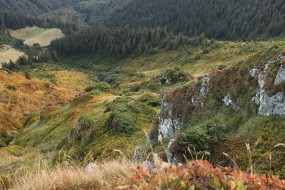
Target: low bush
[[11, 87], [150, 99], [102, 86], [121, 123]]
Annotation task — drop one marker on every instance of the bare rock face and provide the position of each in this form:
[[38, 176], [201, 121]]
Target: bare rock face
[[168, 123], [169, 119], [280, 77], [270, 105], [229, 102]]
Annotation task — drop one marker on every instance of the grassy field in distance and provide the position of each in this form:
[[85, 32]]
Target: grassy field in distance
[[33, 35], [9, 53]]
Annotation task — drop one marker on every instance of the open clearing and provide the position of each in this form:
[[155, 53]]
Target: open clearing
[[9, 53], [33, 35]]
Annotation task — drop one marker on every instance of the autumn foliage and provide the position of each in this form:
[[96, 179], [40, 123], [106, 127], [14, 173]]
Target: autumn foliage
[[199, 174]]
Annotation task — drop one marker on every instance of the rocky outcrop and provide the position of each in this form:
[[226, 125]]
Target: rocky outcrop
[[280, 77], [229, 102], [196, 99], [168, 123], [254, 72], [170, 118], [269, 105]]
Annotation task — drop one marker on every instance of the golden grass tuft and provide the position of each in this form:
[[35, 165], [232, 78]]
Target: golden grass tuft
[[75, 177]]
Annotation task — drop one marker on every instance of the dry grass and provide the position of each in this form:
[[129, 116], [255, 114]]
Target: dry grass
[[8, 53], [79, 80], [33, 35], [123, 174], [29, 96], [75, 177]]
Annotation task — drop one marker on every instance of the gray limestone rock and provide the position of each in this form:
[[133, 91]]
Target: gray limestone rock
[[270, 105], [168, 124], [280, 77], [254, 72], [229, 102]]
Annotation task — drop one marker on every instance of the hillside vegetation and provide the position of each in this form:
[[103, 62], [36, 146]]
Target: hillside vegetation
[[80, 12], [123, 104], [140, 94]]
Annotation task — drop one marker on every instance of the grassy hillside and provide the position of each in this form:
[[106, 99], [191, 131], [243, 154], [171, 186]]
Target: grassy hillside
[[109, 117], [80, 12], [50, 92]]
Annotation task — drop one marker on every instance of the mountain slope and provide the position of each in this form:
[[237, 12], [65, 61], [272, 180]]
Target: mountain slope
[[222, 19], [32, 6], [81, 12]]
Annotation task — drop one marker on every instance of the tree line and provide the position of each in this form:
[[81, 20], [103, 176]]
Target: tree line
[[120, 42], [219, 19], [14, 21]]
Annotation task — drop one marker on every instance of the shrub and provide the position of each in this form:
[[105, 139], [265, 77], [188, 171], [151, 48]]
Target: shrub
[[173, 76], [102, 86], [28, 76], [221, 67], [109, 77], [11, 87], [85, 123], [95, 92], [82, 99], [135, 87], [121, 123], [150, 99], [23, 60], [4, 137]]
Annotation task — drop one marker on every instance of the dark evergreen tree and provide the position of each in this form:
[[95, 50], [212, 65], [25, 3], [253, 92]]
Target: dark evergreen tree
[[220, 19]]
